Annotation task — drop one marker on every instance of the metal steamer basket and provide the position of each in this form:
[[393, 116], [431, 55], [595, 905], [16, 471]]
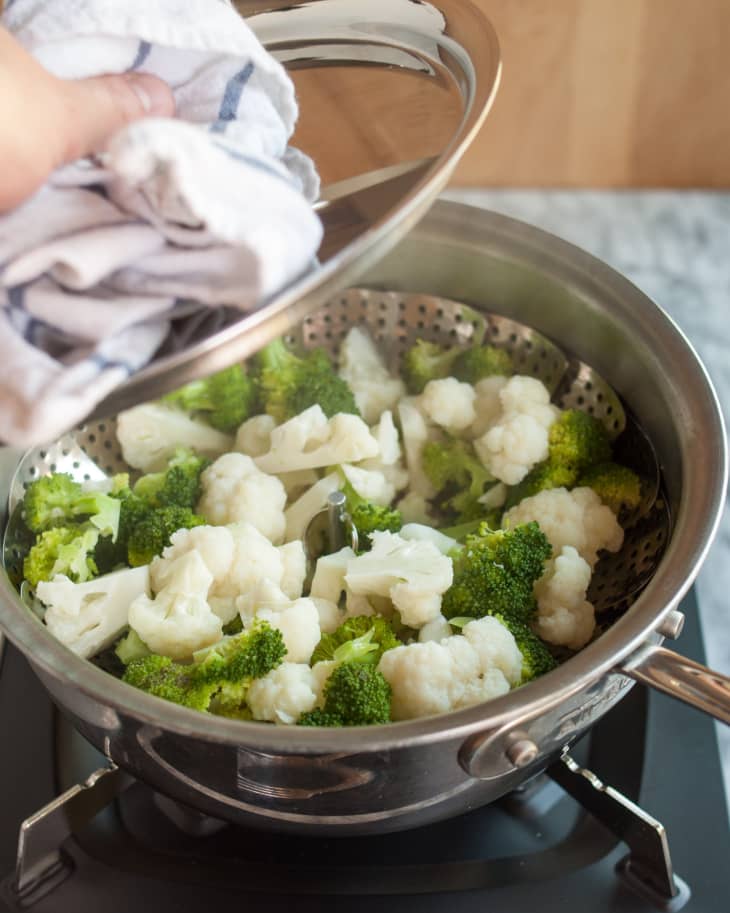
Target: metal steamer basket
[[382, 778]]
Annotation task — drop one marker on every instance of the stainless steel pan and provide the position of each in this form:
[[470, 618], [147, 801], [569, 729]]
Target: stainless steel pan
[[404, 774]]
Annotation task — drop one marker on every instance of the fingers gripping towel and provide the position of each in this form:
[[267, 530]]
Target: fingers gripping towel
[[211, 208]]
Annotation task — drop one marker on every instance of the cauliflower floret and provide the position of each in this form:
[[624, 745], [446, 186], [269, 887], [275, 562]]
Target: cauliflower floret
[[214, 544], [414, 509], [329, 575], [88, 617], [435, 630], [299, 625], [178, 621], [419, 532], [298, 514], [415, 434], [311, 440], [487, 404], [512, 447], [495, 646], [449, 403], [528, 396], [414, 575], [517, 438], [235, 489], [429, 678], [151, 433], [298, 619], [330, 615], [390, 459], [374, 388], [238, 557], [284, 694], [370, 484], [254, 436], [576, 518], [564, 616], [294, 568], [254, 559]]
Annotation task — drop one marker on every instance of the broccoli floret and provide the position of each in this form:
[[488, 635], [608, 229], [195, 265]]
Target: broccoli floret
[[459, 532], [494, 572], [176, 486], [319, 717], [234, 662], [62, 550], [577, 440], [151, 534], [362, 638], [426, 361], [175, 682], [219, 677], [47, 500], [544, 475], [57, 500], [230, 701], [356, 694], [242, 657], [477, 362], [617, 486], [368, 517], [226, 399], [131, 647], [458, 476], [536, 658], [289, 384]]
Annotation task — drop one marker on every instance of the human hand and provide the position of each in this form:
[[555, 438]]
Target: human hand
[[46, 122]]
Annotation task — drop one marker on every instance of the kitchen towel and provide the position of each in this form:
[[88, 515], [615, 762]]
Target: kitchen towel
[[210, 208]]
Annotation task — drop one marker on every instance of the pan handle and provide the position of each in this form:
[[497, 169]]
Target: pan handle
[[681, 678]]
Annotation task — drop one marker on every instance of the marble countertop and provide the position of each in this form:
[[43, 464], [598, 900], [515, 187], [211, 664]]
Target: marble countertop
[[675, 246]]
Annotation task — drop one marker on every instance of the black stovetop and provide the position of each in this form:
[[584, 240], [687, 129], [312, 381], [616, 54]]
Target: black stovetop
[[535, 851]]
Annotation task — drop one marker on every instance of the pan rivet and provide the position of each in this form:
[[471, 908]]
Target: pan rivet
[[522, 752], [672, 625]]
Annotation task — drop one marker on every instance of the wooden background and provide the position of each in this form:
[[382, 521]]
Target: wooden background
[[607, 93]]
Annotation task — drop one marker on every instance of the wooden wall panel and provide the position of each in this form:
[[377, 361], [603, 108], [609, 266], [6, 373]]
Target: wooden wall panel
[[608, 93]]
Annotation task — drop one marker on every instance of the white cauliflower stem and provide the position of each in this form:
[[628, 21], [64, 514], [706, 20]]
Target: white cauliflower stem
[[150, 434], [178, 621], [311, 441], [254, 436], [361, 366], [390, 459], [413, 574], [309, 503], [88, 617], [415, 434], [564, 615], [576, 518], [235, 489], [462, 670]]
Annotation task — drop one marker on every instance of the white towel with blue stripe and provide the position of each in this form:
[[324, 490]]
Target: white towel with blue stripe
[[211, 208]]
